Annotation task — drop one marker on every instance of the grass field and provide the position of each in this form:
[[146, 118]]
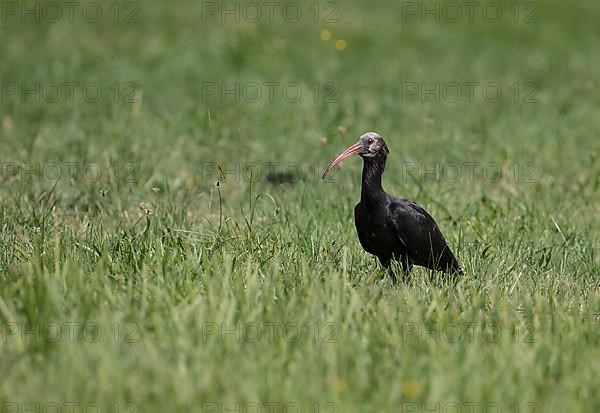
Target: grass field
[[130, 281]]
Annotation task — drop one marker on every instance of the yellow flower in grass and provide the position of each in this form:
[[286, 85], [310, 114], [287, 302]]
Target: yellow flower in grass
[[340, 44], [325, 35], [412, 389], [339, 384]]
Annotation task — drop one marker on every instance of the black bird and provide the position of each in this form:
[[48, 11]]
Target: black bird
[[392, 228]]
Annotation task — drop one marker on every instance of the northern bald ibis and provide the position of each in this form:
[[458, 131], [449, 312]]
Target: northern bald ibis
[[392, 228]]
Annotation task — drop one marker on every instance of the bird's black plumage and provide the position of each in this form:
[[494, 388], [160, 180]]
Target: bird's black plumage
[[391, 228]]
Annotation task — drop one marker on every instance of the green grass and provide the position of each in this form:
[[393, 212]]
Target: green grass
[[179, 288]]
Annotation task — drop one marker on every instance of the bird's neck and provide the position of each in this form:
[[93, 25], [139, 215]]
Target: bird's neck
[[371, 178]]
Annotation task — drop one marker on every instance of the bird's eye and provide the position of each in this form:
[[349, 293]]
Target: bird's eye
[[370, 141]]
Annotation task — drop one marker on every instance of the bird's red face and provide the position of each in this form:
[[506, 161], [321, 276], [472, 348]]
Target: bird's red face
[[369, 145]]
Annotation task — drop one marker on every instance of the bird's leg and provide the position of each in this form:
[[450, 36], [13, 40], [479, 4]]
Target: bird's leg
[[452, 275], [406, 267], [386, 262], [392, 274]]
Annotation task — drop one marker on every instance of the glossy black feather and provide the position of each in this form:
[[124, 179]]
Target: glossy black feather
[[402, 230]]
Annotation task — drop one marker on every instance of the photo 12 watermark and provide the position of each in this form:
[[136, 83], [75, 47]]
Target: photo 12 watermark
[[468, 332], [53, 172], [270, 92], [269, 407], [470, 12], [470, 171], [69, 92], [69, 332], [68, 407], [270, 12], [269, 332], [26, 11], [469, 92], [271, 171], [469, 407]]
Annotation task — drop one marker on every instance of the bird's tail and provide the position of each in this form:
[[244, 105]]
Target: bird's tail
[[449, 264]]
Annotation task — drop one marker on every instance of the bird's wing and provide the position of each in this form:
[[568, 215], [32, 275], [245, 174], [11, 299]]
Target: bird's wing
[[421, 236], [360, 218]]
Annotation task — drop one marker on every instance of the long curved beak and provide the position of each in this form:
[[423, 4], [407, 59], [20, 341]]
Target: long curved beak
[[352, 150]]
